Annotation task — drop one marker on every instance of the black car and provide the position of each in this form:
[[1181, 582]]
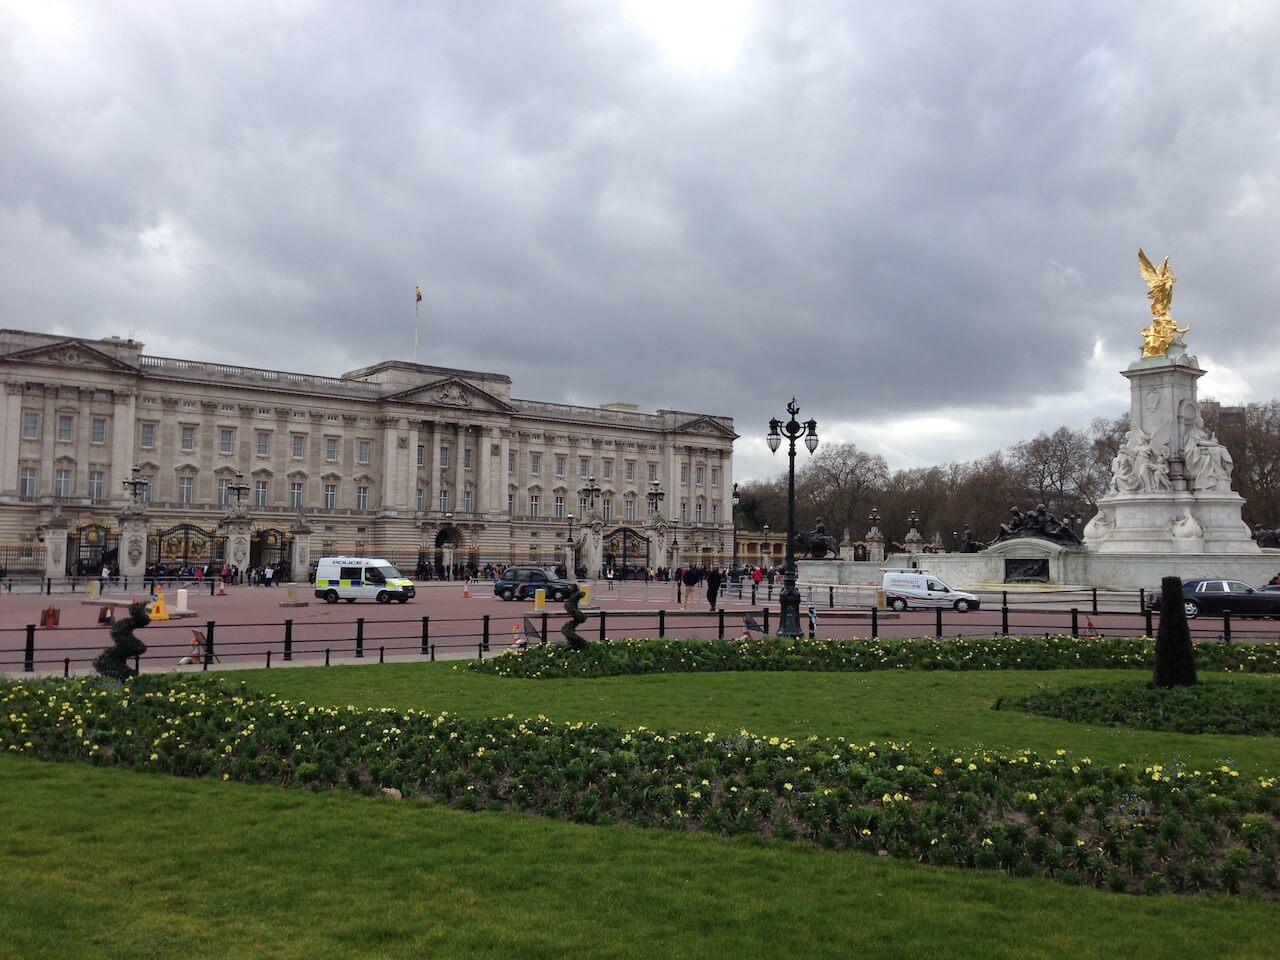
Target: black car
[[520, 583], [1225, 596]]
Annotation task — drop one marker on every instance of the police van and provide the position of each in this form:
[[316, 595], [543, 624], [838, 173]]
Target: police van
[[360, 578], [905, 589]]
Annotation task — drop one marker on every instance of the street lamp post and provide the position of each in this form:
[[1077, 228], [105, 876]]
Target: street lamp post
[[568, 541], [239, 488], [656, 495], [136, 484], [735, 574], [793, 430]]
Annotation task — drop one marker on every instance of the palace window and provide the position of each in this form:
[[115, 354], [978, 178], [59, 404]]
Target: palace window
[[330, 496], [224, 495], [27, 482], [715, 512], [697, 512], [561, 463], [96, 484], [511, 461], [466, 501], [466, 458], [417, 499], [444, 457], [608, 469], [701, 475], [62, 482], [331, 449], [559, 508], [535, 464], [226, 441], [422, 454], [582, 506], [184, 489], [98, 430], [299, 446], [264, 444], [66, 427], [30, 426], [260, 493], [715, 476], [444, 501], [147, 436], [535, 503], [684, 511], [606, 508], [684, 473], [149, 488], [188, 439], [629, 508], [363, 451], [362, 498], [295, 493], [653, 472], [631, 470], [584, 467], [511, 504]]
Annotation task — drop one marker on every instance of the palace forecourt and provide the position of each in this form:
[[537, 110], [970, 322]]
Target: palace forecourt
[[413, 462]]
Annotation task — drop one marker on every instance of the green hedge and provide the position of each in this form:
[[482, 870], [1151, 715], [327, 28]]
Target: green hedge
[[1234, 707], [619, 657], [1121, 828]]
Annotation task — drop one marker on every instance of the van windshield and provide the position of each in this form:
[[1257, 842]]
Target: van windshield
[[388, 571], [938, 585]]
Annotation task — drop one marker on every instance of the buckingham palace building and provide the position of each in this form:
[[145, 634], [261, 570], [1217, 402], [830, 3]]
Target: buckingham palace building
[[401, 460]]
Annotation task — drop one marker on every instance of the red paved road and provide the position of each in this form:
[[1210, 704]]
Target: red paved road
[[249, 622]]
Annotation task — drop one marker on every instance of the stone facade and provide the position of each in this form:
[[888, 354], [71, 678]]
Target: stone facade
[[396, 458]]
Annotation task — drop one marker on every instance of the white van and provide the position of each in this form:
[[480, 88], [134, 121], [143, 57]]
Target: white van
[[904, 589], [360, 578]]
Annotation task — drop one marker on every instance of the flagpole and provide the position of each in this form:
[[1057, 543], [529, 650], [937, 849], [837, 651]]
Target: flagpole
[[416, 307]]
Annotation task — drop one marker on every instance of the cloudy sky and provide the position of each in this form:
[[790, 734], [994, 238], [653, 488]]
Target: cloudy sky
[[920, 219]]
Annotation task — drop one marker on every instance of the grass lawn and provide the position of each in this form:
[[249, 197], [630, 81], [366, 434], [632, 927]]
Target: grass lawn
[[943, 708], [115, 864]]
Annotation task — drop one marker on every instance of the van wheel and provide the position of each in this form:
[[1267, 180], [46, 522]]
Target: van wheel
[[508, 594], [962, 606], [331, 596], [897, 603], [383, 597]]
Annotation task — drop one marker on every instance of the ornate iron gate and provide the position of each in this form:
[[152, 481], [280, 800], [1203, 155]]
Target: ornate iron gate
[[184, 545], [89, 547], [626, 551]]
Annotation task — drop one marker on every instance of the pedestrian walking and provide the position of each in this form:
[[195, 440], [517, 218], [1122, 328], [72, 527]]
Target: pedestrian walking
[[713, 587], [690, 580]]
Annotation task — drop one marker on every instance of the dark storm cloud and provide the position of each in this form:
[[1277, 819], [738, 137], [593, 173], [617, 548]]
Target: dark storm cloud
[[892, 210]]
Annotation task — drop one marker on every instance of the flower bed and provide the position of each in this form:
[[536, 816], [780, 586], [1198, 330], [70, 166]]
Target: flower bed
[[620, 657], [1122, 828], [1236, 706]]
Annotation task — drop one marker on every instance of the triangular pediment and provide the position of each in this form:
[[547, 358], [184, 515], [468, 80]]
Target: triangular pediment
[[69, 353], [707, 426], [452, 392]]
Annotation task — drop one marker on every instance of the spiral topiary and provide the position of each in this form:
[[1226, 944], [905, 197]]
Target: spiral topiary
[[576, 619], [114, 661]]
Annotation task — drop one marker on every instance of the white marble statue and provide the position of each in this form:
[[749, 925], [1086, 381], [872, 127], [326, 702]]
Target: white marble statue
[[1208, 463], [1186, 527], [1137, 468], [1099, 527]]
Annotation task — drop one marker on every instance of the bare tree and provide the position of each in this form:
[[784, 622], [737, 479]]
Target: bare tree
[[837, 484]]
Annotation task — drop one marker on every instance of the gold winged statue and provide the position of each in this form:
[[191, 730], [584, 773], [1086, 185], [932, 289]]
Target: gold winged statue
[[1163, 330]]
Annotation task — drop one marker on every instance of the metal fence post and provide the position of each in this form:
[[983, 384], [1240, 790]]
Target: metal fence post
[[662, 624], [602, 626], [359, 638], [381, 650], [938, 622], [268, 659], [29, 658], [1075, 622], [875, 623], [433, 653], [720, 626], [831, 598], [484, 632], [766, 619], [66, 667], [1004, 619], [326, 656], [208, 642], [1004, 598], [1150, 631], [48, 586], [753, 593], [1095, 599], [1142, 598], [1226, 627], [426, 635], [288, 639], [544, 628]]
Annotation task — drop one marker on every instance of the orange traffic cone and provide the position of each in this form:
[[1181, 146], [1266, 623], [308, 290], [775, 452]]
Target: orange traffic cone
[[222, 588], [158, 610]]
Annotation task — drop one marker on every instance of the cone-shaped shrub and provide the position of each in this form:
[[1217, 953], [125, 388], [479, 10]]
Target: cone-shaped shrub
[[1175, 656]]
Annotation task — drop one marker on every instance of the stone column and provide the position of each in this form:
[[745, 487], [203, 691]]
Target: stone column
[[433, 469], [390, 462], [483, 493], [55, 544], [504, 459], [133, 542], [410, 470], [236, 524], [875, 544], [593, 547], [459, 471], [12, 432], [300, 567]]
